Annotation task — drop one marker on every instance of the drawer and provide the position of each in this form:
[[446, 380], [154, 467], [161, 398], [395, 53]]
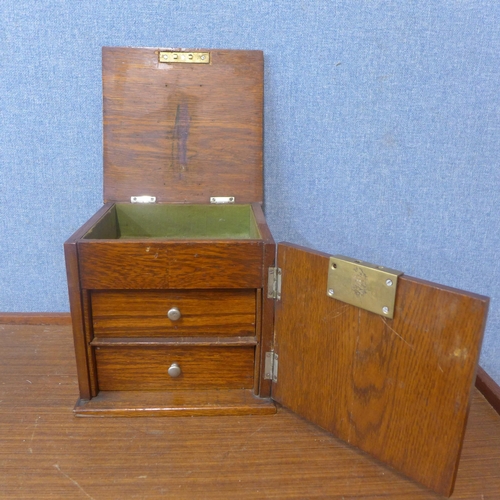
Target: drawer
[[134, 368], [145, 313]]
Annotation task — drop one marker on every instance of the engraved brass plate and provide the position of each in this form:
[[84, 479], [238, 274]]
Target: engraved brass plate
[[184, 57], [363, 285]]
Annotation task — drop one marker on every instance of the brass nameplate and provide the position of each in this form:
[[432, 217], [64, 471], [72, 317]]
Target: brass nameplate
[[363, 285], [184, 57]]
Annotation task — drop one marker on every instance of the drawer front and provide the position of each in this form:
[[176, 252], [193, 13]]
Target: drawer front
[[134, 368], [146, 313]]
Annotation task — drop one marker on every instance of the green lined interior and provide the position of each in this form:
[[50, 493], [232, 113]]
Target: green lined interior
[[129, 221]]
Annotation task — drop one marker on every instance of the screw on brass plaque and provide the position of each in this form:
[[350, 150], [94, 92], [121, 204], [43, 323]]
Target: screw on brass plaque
[[363, 285], [184, 57]]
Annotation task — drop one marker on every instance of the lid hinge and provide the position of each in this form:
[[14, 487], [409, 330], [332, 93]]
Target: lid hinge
[[274, 283], [143, 199], [218, 200], [271, 366], [168, 56]]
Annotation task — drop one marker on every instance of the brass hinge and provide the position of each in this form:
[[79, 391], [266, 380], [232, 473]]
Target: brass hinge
[[274, 283], [271, 366], [184, 57], [363, 285]]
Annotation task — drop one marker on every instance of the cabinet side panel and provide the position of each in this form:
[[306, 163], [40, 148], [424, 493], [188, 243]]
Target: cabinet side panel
[[230, 264], [89, 336], [398, 389], [76, 306]]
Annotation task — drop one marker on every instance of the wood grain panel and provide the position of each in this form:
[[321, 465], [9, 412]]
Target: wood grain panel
[[182, 132], [229, 264], [77, 318], [157, 264], [136, 368], [398, 389], [203, 312]]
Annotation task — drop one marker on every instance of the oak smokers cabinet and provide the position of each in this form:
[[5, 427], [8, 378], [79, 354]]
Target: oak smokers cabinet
[[182, 304]]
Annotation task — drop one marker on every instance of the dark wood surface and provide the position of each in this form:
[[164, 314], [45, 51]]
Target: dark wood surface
[[30, 318], [151, 264], [47, 453], [182, 132], [398, 389], [79, 321], [203, 313]]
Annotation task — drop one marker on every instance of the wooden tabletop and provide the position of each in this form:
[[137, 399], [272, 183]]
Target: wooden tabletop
[[46, 452]]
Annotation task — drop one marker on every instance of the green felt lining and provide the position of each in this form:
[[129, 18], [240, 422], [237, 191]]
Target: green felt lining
[[132, 221]]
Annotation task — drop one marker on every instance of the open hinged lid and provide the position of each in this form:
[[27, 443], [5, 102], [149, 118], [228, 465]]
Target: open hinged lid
[[182, 125], [396, 388]]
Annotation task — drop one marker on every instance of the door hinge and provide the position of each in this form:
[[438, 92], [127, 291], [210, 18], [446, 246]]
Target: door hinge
[[274, 283], [143, 199], [271, 366]]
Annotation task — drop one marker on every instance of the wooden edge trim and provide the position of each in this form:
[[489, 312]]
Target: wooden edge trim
[[262, 224], [488, 388], [56, 319]]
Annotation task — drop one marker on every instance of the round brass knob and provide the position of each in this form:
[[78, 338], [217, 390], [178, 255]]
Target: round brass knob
[[175, 370], [174, 314]]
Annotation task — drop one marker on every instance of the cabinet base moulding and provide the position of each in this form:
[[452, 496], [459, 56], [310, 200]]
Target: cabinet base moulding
[[174, 403]]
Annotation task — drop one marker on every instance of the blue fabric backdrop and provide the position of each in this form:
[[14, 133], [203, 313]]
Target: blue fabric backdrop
[[382, 135]]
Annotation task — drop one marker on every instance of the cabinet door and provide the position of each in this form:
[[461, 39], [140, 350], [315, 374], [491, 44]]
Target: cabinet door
[[396, 388]]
